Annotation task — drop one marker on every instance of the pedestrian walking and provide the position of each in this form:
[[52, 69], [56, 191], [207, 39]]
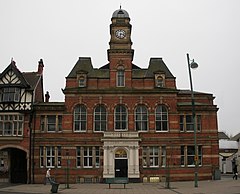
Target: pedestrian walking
[[235, 168], [48, 176], [235, 172]]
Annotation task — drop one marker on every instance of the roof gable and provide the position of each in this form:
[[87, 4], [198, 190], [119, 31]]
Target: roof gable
[[11, 76]]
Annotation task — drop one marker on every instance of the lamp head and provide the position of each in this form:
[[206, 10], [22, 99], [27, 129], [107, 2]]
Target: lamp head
[[193, 65]]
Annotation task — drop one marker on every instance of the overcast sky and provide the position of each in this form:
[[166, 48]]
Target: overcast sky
[[61, 31]]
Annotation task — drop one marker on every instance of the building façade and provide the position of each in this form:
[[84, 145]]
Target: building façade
[[121, 120], [19, 91]]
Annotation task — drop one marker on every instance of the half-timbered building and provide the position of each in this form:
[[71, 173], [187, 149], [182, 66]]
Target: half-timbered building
[[18, 92]]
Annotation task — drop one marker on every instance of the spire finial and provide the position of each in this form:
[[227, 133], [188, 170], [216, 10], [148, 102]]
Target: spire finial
[[12, 61], [120, 6]]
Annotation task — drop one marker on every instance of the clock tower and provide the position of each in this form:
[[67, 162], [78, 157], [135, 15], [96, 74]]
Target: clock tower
[[120, 54]]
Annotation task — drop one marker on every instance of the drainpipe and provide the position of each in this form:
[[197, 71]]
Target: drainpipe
[[30, 149]]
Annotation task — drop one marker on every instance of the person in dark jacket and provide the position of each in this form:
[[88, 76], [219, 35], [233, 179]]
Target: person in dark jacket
[[235, 170]]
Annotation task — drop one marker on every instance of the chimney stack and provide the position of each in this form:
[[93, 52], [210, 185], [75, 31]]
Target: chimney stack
[[40, 67]]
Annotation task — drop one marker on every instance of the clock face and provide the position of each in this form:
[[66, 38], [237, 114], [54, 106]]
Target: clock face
[[120, 33]]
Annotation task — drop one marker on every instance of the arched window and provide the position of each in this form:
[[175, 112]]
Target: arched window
[[82, 81], [80, 118], [141, 118], [161, 116], [100, 118], [120, 117], [120, 153], [159, 81]]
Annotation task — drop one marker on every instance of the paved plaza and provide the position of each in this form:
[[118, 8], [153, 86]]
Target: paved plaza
[[224, 186]]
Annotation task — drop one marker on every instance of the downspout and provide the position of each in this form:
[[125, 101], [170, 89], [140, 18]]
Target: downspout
[[33, 153], [30, 141], [30, 149]]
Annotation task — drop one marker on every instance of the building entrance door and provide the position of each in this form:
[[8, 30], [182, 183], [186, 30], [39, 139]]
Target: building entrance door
[[121, 168], [18, 169]]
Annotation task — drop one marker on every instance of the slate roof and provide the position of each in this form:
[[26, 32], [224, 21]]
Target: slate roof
[[32, 78], [236, 137], [120, 13], [157, 65], [222, 135], [84, 65]]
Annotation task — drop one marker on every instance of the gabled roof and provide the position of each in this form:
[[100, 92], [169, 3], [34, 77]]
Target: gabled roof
[[28, 80], [13, 67]]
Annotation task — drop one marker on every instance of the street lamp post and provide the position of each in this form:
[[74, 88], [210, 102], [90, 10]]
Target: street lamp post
[[193, 65], [67, 169]]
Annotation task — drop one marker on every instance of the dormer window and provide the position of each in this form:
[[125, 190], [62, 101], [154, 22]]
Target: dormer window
[[159, 80], [82, 80], [120, 76]]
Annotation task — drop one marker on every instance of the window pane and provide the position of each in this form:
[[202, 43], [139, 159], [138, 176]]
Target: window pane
[[163, 162], [141, 118], [11, 94], [50, 156], [190, 155], [1, 127], [15, 128], [190, 150], [120, 78], [51, 122], [120, 117], [154, 155], [181, 122], [199, 120], [100, 118], [182, 156], [189, 123], [78, 154], [190, 160], [159, 81], [161, 118], [80, 118], [8, 128]]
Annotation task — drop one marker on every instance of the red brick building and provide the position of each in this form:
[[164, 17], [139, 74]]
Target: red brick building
[[121, 120]]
